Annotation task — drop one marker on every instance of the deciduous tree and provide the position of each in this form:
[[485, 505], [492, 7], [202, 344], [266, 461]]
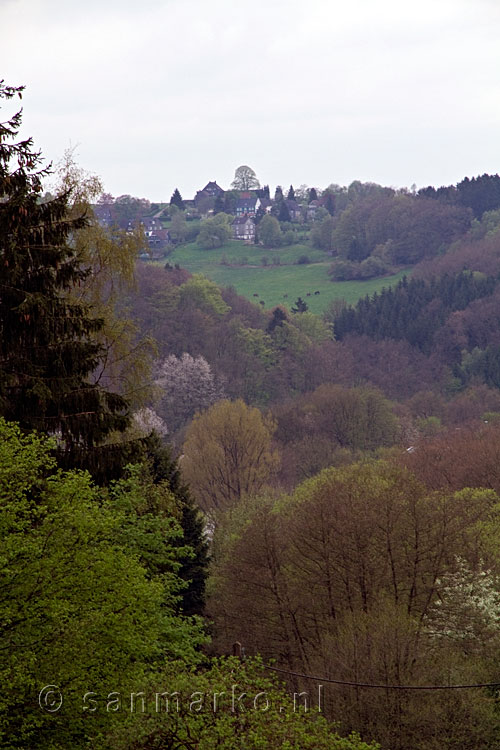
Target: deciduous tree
[[187, 385], [228, 454], [343, 578], [89, 589], [111, 255], [269, 231], [245, 179], [215, 232]]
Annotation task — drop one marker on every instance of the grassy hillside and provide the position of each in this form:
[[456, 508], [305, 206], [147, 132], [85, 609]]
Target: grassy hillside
[[275, 284]]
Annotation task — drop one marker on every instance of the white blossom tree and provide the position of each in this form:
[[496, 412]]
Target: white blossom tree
[[146, 420], [468, 605], [187, 385]]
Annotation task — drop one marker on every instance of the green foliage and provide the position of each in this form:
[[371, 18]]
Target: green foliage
[[480, 193], [111, 254], [289, 339], [300, 306], [322, 234], [49, 342], [416, 228], [204, 293], [193, 557], [479, 364], [88, 586], [413, 309], [257, 343], [345, 270], [428, 426], [215, 232], [316, 329], [270, 232], [228, 454], [245, 179], [178, 228], [231, 705], [365, 575]]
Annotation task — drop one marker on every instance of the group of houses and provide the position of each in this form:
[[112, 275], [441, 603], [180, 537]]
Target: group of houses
[[157, 237], [246, 207]]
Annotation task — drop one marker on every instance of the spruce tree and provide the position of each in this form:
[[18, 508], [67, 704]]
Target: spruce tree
[[330, 203], [284, 213], [176, 200], [300, 306], [313, 195], [261, 212], [279, 317], [264, 193], [194, 569], [48, 349], [291, 194], [219, 203]]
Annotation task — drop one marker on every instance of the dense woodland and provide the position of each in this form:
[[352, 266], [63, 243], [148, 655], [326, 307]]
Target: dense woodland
[[182, 469]]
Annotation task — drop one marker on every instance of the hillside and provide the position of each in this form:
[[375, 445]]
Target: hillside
[[274, 276]]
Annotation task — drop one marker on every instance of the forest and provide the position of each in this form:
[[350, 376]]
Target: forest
[[232, 525]]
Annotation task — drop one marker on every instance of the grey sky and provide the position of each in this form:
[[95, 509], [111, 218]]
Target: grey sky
[[164, 93]]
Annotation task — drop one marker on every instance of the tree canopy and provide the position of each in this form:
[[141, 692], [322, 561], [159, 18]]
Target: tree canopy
[[89, 584], [49, 346], [228, 454], [245, 179], [176, 200]]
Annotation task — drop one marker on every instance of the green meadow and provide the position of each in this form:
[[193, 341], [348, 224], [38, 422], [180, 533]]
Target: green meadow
[[254, 273]]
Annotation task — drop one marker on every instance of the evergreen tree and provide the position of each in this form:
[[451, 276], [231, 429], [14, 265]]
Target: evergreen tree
[[261, 212], [48, 348], [176, 200], [219, 203], [291, 194], [330, 203], [278, 194], [264, 193], [279, 317], [283, 213], [313, 195], [414, 309], [230, 198], [300, 306], [194, 568]]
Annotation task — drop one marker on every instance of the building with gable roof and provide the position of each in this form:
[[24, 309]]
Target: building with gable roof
[[247, 204], [243, 228]]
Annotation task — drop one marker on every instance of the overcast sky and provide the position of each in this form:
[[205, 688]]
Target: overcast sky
[[159, 94]]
